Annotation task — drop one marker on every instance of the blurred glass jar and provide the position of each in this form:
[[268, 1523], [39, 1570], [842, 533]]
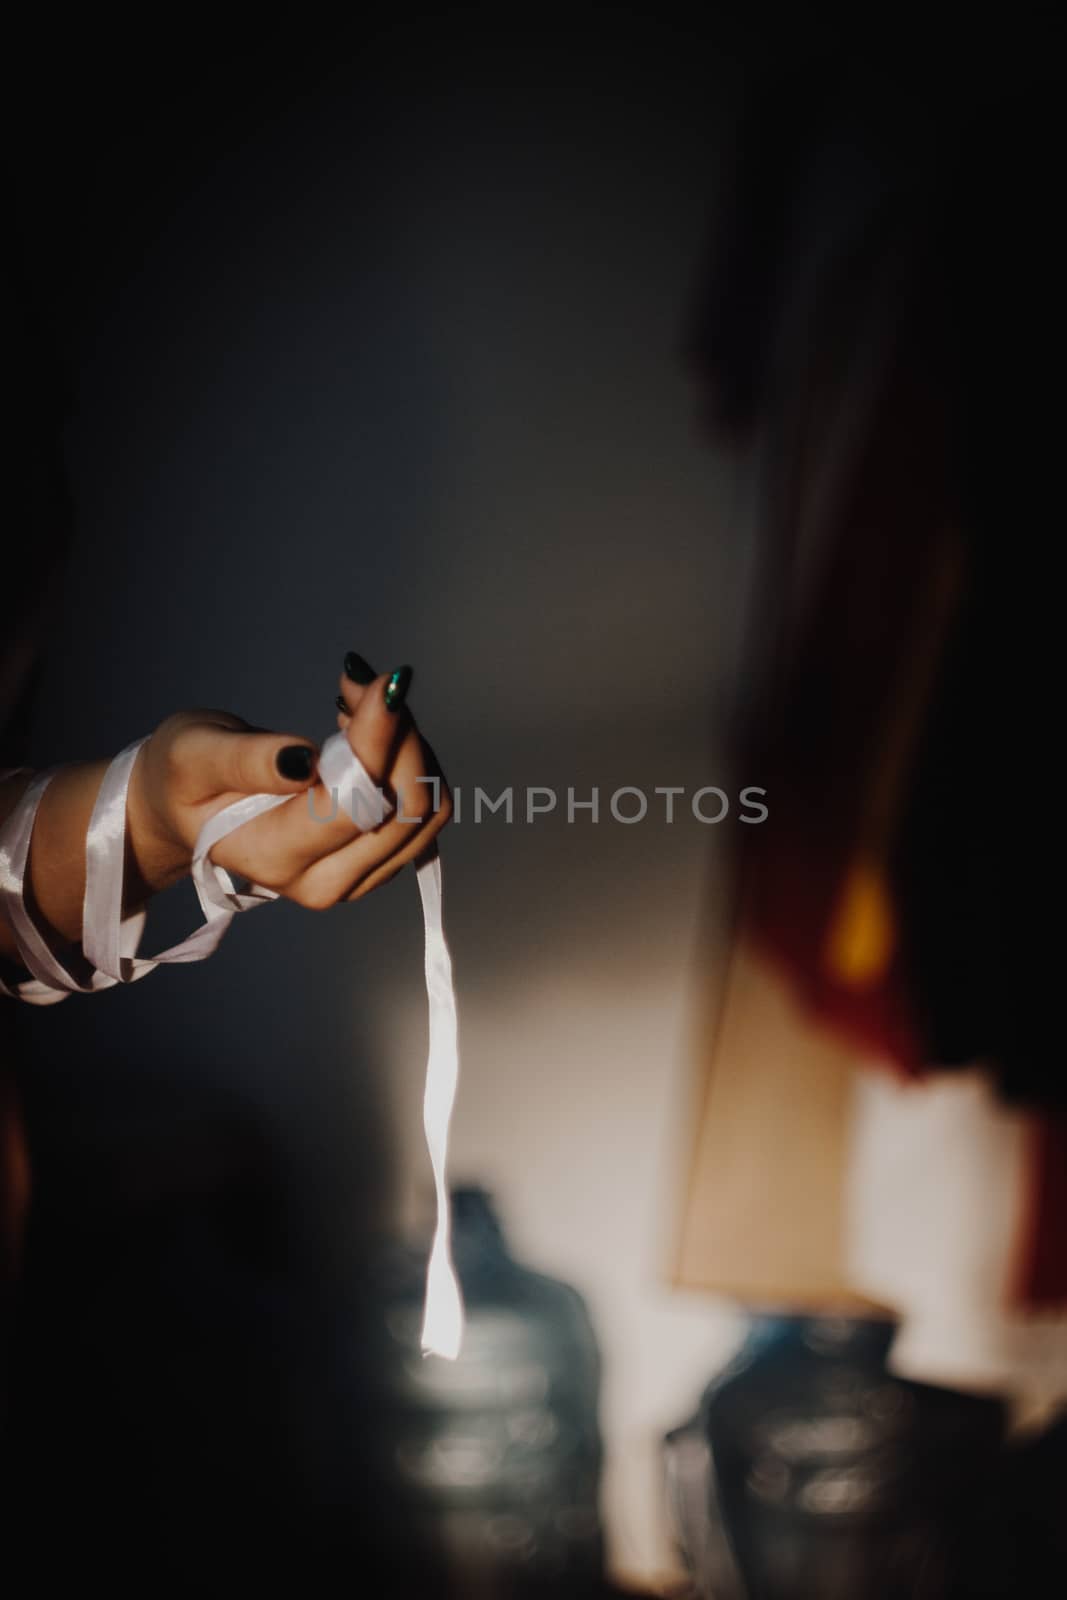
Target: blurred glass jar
[[498, 1453], [812, 1470]]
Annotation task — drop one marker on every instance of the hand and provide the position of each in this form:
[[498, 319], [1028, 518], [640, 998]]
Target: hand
[[197, 762]]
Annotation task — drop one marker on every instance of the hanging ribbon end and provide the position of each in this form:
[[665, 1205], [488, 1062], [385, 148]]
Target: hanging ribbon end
[[442, 1325]]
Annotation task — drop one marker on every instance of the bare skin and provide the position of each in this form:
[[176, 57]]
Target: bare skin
[[196, 763]]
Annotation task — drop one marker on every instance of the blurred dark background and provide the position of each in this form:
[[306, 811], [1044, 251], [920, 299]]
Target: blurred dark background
[[368, 338], [372, 337]]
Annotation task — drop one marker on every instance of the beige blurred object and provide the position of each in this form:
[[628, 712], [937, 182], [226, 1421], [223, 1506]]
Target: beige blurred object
[[763, 1215]]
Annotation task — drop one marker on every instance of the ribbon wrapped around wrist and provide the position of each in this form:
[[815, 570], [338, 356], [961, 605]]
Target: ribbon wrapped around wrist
[[108, 954]]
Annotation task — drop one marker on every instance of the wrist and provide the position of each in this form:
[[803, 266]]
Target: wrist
[[156, 854]]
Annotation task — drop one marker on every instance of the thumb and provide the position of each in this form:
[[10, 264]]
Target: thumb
[[379, 720], [250, 762]]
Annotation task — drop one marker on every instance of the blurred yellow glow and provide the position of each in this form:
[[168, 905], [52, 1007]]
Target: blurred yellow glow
[[861, 939]]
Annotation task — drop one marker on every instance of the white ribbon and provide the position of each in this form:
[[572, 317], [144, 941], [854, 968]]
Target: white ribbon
[[50, 981], [442, 1324], [109, 956]]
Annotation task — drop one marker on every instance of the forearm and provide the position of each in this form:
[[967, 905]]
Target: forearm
[[56, 878]]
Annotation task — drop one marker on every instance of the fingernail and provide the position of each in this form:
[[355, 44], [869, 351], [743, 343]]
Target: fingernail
[[358, 670], [295, 761], [396, 690], [342, 705]]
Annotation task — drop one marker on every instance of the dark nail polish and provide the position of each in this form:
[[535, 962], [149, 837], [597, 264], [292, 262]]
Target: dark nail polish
[[295, 761], [342, 705], [358, 670], [396, 690]]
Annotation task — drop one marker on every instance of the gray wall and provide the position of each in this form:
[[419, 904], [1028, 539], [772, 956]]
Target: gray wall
[[395, 368]]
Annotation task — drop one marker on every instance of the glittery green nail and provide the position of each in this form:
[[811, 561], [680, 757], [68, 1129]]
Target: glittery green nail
[[396, 690]]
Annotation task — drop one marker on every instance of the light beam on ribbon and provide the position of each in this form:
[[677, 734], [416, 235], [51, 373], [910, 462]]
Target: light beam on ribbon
[[442, 1323], [341, 771]]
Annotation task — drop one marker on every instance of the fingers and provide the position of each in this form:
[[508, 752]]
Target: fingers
[[378, 719], [311, 850], [357, 676], [417, 845], [424, 805], [375, 731], [235, 758], [277, 848], [412, 852]]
